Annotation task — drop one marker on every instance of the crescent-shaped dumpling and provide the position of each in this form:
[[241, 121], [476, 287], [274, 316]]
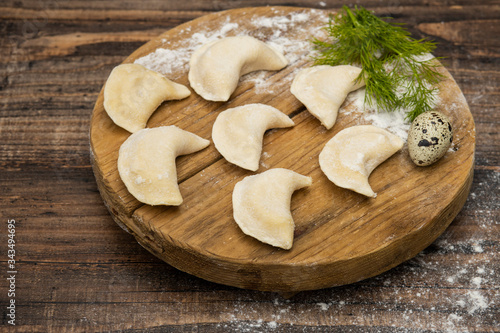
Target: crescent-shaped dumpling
[[261, 205], [353, 153], [238, 132], [323, 89], [216, 67], [146, 163], [132, 93]]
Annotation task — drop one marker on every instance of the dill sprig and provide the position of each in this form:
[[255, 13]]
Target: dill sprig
[[394, 75]]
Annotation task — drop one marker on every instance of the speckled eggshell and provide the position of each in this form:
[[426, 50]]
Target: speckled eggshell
[[429, 138]]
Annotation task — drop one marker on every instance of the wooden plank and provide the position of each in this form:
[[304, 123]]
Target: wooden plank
[[222, 306]]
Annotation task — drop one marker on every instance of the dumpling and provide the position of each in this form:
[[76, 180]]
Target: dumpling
[[238, 132], [261, 205], [132, 93], [323, 89], [352, 154], [146, 163], [216, 67]]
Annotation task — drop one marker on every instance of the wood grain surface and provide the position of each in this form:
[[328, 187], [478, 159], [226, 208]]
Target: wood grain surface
[[78, 271], [340, 237]]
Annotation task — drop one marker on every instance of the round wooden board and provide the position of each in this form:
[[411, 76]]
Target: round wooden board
[[341, 237]]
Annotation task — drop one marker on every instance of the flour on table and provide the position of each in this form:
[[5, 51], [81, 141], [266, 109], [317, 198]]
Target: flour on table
[[474, 302]]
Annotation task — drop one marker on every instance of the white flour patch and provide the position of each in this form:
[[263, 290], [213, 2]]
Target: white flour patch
[[453, 322], [474, 302], [167, 61], [477, 281], [279, 32], [478, 248], [272, 324], [394, 122], [323, 306]]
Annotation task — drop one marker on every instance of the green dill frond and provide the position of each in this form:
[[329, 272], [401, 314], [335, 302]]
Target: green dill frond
[[388, 57]]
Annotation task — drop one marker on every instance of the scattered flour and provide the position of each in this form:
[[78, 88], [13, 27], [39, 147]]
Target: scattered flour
[[294, 45], [475, 301], [167, 61], [478, 248], [477, 281], [451, 324], [272, 324], [176, 59], [395, 122], [323, 306], [279, 32]]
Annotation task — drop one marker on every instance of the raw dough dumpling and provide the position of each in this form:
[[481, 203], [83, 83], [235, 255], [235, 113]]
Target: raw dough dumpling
[[132, 93], [216, 67], [323, 89], [353, 153], [261, 205], [146, 163], [238, 132]]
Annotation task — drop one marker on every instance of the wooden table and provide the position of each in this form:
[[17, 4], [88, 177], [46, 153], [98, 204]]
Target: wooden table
[[76, 270]]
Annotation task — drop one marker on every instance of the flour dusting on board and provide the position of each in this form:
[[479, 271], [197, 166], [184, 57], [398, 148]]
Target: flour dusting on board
[[395, 122], [168, 61], [273, 30], [290, 34]]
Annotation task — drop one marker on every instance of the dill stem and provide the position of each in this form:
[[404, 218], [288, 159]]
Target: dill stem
[[392, 49], [351, 15]]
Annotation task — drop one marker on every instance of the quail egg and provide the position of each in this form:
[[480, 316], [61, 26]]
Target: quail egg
[[429, 138]]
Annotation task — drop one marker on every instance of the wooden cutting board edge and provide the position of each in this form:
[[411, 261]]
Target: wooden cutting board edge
[[229, 272]]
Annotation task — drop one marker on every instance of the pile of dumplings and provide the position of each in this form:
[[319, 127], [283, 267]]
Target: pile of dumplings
[[261, 202]]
